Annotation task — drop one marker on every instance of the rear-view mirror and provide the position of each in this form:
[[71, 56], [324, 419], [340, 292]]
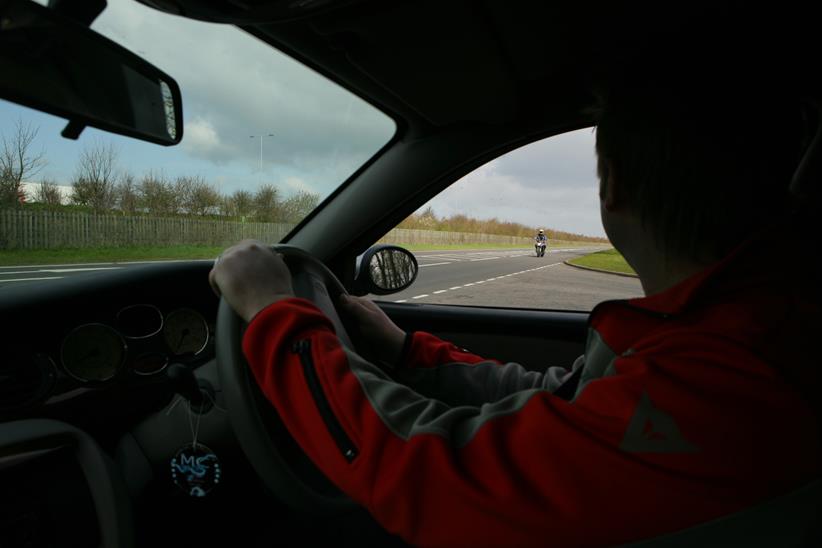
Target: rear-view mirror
[[53, 64]]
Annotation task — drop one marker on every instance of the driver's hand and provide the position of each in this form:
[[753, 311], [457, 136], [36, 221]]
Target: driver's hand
[[383, 337], [250, 276]]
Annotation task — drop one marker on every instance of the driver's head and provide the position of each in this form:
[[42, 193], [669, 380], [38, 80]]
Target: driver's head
[[700, 158]]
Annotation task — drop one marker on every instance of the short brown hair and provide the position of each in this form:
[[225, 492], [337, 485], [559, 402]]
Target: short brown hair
[[703, 163]]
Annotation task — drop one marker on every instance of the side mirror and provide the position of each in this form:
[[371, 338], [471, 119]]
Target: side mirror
[[385, 269], [52, 63]]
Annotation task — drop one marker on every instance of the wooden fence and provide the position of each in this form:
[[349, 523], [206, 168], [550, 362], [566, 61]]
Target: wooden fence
[[20, 229], [39, 229], [438, 237]]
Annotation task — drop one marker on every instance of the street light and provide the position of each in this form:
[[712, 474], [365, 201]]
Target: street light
[[261, 152]]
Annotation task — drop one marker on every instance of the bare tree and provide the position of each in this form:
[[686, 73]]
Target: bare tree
[[48, 193], [202, 198], [95, 179], [17, 162], [267, 203], [157, 195], [299, 206], [127, 198], [182, 190], [242, 203]]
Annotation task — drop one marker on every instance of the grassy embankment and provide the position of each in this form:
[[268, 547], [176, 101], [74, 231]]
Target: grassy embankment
[[187, 252], [609, 260]]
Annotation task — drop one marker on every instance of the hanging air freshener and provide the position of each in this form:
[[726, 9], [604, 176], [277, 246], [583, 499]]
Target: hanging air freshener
[[195, 468]]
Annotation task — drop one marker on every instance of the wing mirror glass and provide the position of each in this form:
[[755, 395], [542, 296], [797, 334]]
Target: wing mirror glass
[[385, 269], [54, 64]]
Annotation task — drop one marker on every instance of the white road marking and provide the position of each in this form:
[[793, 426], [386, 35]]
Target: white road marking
[[490, 279], [59, 270], [485, 259], [440, 291], [401, 301], [109, 263], [468, 285], [420, 296], [30, 279], [480, 282], [433, 264], [455, 287]]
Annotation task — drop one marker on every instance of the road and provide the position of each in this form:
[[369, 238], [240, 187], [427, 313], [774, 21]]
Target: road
[[515, 278], [12, 275]]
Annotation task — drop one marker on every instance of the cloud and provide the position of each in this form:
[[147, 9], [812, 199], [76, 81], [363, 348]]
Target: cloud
[[244, 87], [295, 184], [235, 86], [551, 183], [201, 138]]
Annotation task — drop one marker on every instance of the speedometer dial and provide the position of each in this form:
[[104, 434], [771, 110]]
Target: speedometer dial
[[93, 352], [185, 332]]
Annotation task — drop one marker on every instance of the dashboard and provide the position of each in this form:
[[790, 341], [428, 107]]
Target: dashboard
[[88, 412], [105, 336]]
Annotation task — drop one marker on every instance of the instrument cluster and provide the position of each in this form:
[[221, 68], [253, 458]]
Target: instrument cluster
[[142, 340], [137, 342]]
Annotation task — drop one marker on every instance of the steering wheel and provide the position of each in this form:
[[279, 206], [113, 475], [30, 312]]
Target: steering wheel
[[284, 468]]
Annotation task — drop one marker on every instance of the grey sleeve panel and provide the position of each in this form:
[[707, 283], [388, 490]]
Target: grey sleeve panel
[[486, 382], [472, 384], [599, 361], [407, 413]]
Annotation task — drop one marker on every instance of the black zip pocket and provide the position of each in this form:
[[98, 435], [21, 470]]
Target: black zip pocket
[[346, 446]]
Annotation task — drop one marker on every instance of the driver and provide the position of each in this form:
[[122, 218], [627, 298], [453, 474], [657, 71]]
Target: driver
[[690, 403], [541, 237]]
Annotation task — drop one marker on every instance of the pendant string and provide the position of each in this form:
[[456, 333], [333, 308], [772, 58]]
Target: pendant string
[[195, 430]]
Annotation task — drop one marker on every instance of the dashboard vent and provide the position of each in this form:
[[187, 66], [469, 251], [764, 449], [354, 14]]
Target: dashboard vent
[[24, 380]]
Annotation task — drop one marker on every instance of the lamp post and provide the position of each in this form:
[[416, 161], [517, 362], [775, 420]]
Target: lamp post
[[261, 152]]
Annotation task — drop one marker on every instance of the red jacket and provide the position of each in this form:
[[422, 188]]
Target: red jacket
[[689, 406]]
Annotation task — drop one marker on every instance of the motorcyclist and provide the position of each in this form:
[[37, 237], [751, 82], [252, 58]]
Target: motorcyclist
[[540, 238]]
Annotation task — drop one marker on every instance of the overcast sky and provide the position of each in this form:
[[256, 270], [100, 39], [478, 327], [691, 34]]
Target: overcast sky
[[235, 86]]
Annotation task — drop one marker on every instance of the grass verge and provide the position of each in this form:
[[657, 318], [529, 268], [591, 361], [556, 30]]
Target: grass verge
[[609, 260]]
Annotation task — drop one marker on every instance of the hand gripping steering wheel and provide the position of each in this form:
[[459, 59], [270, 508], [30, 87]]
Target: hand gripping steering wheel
[[275, 456]]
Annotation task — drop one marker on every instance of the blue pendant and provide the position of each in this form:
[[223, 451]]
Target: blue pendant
[[195, 470]]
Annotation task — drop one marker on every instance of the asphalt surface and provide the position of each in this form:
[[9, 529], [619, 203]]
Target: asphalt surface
[[513, 278], [505, 278], [13, 275]]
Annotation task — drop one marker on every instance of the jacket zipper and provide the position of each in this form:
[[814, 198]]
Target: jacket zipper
[[344, 443]]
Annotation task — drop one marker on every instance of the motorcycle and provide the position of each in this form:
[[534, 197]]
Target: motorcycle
[[540, 247]]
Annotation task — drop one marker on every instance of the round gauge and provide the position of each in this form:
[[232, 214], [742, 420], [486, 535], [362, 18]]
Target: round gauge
[[149, 364], [139, 321], [93, 352], [25, 380], [185, 332]]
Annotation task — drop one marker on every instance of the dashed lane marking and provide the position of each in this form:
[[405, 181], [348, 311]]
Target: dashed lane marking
[[440, 291], [31, 279]]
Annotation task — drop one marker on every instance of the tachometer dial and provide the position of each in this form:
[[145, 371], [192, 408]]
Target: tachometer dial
[[185, 332], [93, 352]]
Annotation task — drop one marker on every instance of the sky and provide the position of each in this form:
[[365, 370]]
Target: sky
[[314, 133]]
